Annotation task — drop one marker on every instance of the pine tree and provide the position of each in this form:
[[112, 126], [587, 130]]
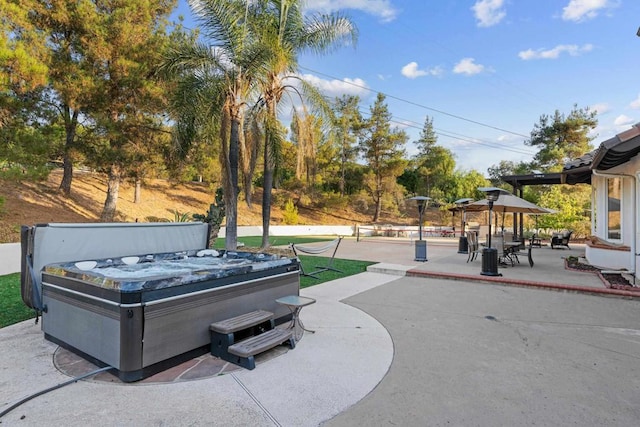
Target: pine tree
[[382, 149], [562, 138], [346, 127]]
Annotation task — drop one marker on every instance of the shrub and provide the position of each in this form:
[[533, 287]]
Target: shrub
[[290, 214], [155, 219], [214, 216], [181, 216]]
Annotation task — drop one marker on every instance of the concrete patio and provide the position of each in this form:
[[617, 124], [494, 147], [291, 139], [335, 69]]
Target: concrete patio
[[389, 349]]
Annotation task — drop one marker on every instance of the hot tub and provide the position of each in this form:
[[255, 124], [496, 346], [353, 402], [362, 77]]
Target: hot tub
[[133, 315], [143, 313]]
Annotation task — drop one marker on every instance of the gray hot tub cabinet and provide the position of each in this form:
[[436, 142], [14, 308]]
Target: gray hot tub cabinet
[[141, 324]]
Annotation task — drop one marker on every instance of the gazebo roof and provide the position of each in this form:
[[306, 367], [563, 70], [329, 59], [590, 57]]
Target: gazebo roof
[[611, 153]]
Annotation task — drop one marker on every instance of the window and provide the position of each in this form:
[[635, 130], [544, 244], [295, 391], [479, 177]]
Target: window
[[614, 195]]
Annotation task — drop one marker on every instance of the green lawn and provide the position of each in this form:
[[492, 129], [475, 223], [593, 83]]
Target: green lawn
[[347, 267], [13, 310]]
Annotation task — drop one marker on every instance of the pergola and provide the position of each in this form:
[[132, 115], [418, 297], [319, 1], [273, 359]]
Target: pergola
[[610, 153], [575, 172]]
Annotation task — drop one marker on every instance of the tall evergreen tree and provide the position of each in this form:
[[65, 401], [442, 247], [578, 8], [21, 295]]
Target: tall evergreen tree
[[23, 53], [25, 134], [68, 27], [382, 149], [435, 164], [127, 39], [346, 127], [561, 138], [427, 140]]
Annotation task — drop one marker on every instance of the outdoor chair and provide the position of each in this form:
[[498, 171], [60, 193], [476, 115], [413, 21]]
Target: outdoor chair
[[531, 244], [561, 239], [473, 245], [506, 254], [535, 241]]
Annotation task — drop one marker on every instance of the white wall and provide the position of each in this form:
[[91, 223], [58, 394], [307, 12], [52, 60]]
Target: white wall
[[296, 230], [9, 258], [10, 252], [629, 208]]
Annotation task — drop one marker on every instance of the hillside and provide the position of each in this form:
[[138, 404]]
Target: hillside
[[30, 203]]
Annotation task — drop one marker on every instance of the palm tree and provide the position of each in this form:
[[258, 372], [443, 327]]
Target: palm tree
[[287, 31], [222, 75]]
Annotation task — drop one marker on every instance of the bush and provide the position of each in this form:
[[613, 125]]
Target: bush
[[181, 216], [290, 214], [335, 201]]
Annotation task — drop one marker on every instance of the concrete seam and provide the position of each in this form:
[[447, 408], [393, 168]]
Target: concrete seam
[[255, 399]]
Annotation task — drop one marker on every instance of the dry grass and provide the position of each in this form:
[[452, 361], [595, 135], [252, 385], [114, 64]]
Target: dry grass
[[29, 203]]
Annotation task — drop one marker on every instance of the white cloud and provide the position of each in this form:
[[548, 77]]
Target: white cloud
[[411, 71], [488, 12], [380, 8], [582, 10], [468, 66], [600, 108], [623, 120], [336, 87], [635, 104], [571, 49]]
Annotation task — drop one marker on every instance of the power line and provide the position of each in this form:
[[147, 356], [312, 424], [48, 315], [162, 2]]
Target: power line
[[397, 98], [454, 135]]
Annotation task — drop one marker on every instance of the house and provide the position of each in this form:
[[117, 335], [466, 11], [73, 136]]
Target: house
[[613, 170]]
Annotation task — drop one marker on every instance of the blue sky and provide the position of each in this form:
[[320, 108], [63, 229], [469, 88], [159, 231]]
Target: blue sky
[[485, 70]]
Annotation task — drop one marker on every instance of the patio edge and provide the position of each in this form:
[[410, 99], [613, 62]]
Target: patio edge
[[524, 283]]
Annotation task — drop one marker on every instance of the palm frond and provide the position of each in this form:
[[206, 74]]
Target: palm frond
[[323, 33]]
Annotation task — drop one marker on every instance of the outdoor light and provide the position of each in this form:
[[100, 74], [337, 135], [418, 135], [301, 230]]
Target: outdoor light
[[421, 245], [489, 254], [463, 244]]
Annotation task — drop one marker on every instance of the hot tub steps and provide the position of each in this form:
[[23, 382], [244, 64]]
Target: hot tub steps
[[239, 338], [245, 350], [241, 322]]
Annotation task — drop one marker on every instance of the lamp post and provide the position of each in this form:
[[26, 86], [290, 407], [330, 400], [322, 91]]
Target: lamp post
[[463, 244], [489, 254], [421, 245]]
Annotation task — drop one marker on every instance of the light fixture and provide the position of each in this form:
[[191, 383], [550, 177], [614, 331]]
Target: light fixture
[[490, 254], [463, 243], [421, 245]]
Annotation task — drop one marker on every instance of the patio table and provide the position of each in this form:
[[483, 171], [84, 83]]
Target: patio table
[[295, 303]]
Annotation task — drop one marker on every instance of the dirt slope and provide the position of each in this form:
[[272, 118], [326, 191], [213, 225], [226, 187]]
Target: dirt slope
[[33, 203]]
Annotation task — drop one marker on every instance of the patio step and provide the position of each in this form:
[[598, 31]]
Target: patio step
[[239, 338], [246, 350]]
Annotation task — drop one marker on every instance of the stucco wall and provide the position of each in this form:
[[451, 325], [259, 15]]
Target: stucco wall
[[629, 209]]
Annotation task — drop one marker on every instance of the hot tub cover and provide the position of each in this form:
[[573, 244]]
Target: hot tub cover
[[164, 270]]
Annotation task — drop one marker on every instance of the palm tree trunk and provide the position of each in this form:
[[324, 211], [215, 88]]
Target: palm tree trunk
[[230, 179], [266, 195]]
